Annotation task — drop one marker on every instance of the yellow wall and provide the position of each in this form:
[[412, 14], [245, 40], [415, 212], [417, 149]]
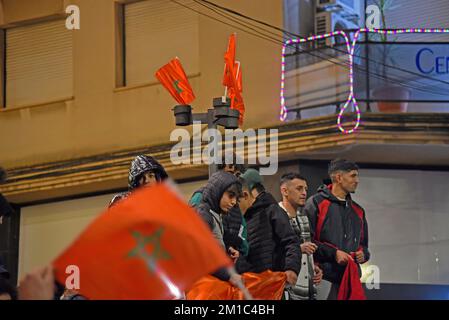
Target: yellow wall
[[101, 118]]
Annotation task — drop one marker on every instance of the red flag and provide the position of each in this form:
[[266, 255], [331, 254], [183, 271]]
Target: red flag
[[151, 245], [235, 93], [350, 287], [229, 58], [174, 79], [267, 285], [232, 78]]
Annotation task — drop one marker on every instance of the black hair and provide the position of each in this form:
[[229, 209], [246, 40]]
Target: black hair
[[341, 165], [291, 176], [258, 186], [6, 287], [235, 162], [235, 188]]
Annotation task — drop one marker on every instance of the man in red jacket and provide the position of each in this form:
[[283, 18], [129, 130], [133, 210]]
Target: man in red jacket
[[338, 224]]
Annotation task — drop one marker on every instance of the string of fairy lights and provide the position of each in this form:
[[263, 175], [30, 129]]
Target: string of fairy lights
[[351, 48]]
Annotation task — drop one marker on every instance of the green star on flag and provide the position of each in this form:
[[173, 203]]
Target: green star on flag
[[178, 89], [158, 251]]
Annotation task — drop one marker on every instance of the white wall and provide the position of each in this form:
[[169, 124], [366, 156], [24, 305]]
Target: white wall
[[408, 218]]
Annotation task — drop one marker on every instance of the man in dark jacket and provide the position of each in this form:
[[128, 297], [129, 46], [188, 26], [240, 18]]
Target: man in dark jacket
[[234, 224], [273, 245], [338, 224], [144, 170], [220, 195]]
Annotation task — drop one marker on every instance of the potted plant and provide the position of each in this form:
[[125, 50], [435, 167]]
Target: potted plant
[[385, 90]]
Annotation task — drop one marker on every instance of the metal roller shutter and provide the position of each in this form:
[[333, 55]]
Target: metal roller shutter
[[155, 32], [39, 63]]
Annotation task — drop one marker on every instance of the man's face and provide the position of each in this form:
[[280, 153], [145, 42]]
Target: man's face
[[245, 201], [228, 201], [349, 180], [295, 191], [148, 179]]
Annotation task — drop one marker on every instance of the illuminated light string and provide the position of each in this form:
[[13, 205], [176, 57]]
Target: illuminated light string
[[350, 48]]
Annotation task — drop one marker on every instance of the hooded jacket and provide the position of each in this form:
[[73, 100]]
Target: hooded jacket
[[210, 212], [140, 165], [273, 245], [209, 208], [234, 225], [336, 225]]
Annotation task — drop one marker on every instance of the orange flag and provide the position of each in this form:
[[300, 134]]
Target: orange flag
[[151, 245], [232, 78], [174, 79], [267, 285], [229, 58], [235, 93]]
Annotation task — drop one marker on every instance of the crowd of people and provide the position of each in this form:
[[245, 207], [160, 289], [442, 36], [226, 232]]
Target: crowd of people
[[311, 239]]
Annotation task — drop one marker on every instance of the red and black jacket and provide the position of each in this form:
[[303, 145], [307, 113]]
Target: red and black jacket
[[336, 224]]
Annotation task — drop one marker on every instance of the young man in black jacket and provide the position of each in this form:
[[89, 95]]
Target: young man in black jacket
[[234, 224], [219, 197], [293, 189], [273, 245], [338, 224]]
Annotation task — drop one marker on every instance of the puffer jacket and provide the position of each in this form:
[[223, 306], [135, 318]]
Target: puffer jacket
[[210, 212], [234, 225], [272, 242]]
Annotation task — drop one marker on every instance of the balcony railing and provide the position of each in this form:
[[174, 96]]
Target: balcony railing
[[391, 74]]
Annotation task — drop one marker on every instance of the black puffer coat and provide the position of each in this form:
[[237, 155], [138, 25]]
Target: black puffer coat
[[273, 244]]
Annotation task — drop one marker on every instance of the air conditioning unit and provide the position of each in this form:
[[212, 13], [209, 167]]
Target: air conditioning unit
[[338, 5], [327, 22]]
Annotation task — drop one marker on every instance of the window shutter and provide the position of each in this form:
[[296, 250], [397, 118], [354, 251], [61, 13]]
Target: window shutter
[[155, 32], [39, 63]]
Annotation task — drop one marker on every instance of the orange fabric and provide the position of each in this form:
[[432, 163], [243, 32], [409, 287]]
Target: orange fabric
[[267, 285], [350, 286], [235, 93], [232, 78], [142, 247], [174, 79], [229, 57]]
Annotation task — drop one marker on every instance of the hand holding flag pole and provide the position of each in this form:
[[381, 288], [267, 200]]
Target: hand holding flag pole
[[239, 284]]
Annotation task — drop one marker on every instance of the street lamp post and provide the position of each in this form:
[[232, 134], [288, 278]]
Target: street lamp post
[[220, 115]]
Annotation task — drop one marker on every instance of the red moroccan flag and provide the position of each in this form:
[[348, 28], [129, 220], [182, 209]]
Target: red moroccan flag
[[267, 285], [229, 58], [350, 287], [232, 78], [151, 245], [174, 79], [235, 93]]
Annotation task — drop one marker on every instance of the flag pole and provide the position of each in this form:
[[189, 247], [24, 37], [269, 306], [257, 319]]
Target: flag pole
[[246, 294]]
